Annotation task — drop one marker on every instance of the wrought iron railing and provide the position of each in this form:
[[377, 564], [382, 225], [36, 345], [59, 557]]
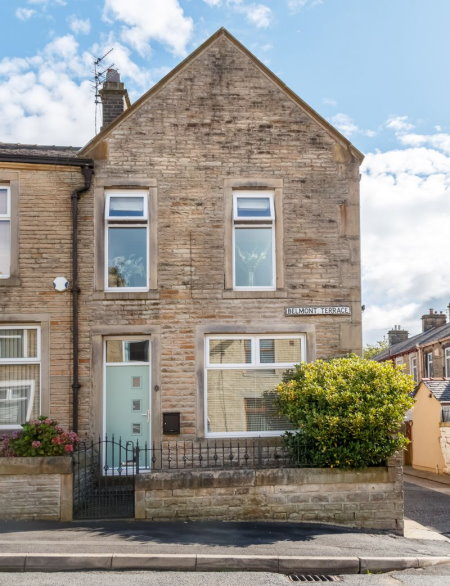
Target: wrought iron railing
[[116, 457]]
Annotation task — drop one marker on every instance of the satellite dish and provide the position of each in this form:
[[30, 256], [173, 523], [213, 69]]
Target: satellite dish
[[60, 284]]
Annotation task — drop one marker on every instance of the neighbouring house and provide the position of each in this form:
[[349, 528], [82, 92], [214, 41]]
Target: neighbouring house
[[158, 282], [426, 357]]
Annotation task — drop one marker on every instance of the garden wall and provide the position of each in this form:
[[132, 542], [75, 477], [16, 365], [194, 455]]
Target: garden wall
[[371, 498], [36, 488]]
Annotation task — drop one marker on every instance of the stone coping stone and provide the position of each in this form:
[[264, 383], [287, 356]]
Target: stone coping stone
[[206, 478], [36, 465]]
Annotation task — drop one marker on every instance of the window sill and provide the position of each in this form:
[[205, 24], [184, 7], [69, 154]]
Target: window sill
[[10, 282], [114, 296], [230, 294]]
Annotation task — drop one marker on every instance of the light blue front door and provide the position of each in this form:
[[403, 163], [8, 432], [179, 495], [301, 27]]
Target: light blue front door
[[127, 400]]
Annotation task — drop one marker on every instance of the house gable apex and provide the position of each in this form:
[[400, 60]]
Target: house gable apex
[[90, 147]]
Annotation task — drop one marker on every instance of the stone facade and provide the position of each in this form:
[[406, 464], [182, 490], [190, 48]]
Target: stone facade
[[220, 121], [36, 488], [369, 499], [445, 446]]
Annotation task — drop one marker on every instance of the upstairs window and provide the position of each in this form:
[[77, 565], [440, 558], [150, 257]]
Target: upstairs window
[[127, 241], [254, 240], [19, 375], [447, 362], [5, 232]]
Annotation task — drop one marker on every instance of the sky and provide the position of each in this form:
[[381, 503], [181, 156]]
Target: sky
[[376, 69]]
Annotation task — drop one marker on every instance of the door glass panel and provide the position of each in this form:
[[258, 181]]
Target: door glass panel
[[253, 257], [127, 351], [127, 256]]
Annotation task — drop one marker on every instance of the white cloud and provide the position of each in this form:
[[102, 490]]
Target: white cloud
[[297, 5], [25, 13], [147, 20], [347, 126], [258, 14], [79, 25], [399, 124], [405, 204], [329, 102]]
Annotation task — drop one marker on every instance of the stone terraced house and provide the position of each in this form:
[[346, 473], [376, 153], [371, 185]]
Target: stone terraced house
[[156, 283]]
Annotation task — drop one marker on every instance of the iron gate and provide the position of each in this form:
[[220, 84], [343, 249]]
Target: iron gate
[[104, 472]]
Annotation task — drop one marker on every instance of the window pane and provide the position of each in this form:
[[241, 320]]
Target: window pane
[[253, 257], [18, 343], [254, 207], [283, 350], [230, 351], [3, 200], [5, 247], [126, 206], [21, 400], [127, 257], [125, 351], [243, 400]]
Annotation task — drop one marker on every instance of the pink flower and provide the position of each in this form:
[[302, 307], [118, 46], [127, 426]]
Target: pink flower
[[68, 448], [36, 444]]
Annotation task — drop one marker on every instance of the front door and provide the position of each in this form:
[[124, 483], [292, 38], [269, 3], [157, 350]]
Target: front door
[[127, 400]]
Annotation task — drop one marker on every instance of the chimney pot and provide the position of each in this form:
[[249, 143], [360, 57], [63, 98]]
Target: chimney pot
[[433, 319]]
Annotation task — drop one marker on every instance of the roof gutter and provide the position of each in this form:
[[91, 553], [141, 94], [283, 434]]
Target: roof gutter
[[43, 160]]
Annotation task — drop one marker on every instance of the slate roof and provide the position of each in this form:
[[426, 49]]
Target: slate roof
[[36, 150], [418, 340], [439, 388]]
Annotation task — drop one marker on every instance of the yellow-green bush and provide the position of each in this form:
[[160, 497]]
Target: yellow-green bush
[[348, 411]]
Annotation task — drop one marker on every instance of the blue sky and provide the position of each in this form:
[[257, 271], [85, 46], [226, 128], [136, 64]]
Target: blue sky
[[377, 70]]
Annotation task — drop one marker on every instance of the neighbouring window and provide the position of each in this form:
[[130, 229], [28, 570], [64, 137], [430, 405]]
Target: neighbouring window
[[254, 240], [127, 240], [447, 362], [20, 373], [240, 378], [5, 232], [429, 364], [413, 367]]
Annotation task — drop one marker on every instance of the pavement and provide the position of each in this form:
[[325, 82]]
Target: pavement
[[289, 548]]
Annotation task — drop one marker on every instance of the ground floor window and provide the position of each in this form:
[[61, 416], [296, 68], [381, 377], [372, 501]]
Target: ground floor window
[[20, 375], [241, 374]]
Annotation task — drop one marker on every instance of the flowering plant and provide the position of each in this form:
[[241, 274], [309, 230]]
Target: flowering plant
[[39, 437]]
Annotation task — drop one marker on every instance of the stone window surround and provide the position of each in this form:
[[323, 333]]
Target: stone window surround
[[100, 192], [11, 178], [257, 328], [253, 184], [42, 321], [99, 335]]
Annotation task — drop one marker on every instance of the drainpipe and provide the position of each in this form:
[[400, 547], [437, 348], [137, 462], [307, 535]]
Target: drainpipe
[[87, 171]]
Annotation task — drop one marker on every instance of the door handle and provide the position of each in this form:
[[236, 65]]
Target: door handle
[[147, 414]]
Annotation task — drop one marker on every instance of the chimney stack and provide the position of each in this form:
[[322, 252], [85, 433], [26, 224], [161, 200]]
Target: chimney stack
[[114, 97], [397, 335], [433, 319]]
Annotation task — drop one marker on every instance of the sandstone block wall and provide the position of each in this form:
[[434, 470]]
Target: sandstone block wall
[[36, 488], [369, 499]]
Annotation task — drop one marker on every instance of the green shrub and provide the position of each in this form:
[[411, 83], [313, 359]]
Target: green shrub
[[39, 437], [348, 411]]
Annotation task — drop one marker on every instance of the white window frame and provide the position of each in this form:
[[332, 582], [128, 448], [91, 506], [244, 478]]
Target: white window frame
[[447, 362], [413, 367], [127, 222], [429, 364], [255, 364], [254, 222], [9, 386], [25, 360], [7, 217]]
